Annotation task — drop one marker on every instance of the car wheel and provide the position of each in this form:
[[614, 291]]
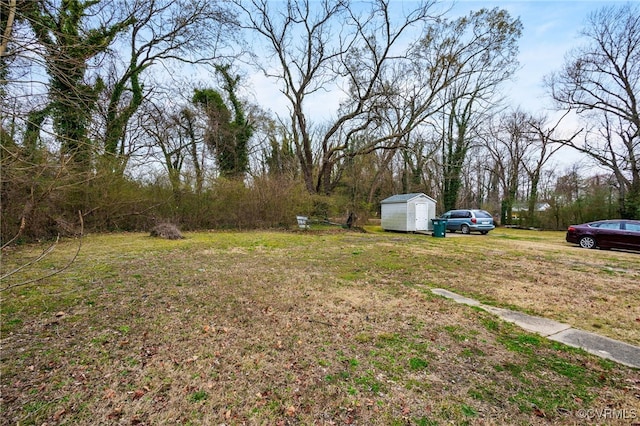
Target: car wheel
[[587, 242], [465, 229]]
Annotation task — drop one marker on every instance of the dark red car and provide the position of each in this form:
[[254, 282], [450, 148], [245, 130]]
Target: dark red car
[[605, 234]]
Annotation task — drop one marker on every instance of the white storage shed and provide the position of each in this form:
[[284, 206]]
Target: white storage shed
[[408, 212]]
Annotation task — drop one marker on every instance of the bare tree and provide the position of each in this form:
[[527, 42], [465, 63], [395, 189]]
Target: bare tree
[[508, 143], [188, 122], [7, 16], [277, 155], [327, 46], [600, 81], [175, 134], [479, 53], [164, 31], [544, 144], [17, 43]]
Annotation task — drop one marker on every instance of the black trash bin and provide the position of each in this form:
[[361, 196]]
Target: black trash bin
[[439, 228]]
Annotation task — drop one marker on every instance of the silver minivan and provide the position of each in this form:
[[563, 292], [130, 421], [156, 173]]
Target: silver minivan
[[469, 220]]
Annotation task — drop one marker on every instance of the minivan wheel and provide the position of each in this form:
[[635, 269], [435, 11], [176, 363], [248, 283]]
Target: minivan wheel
[[465, 229], [587, 242]]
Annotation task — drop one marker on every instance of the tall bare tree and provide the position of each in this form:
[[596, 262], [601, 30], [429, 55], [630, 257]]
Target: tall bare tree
[[508, 143], [170, 132], [332, 45], [479, 52], [7, 16], [601, 82], [164, 31], [544, 144]]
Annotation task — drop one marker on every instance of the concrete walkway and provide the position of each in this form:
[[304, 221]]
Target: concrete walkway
[[604, 347]]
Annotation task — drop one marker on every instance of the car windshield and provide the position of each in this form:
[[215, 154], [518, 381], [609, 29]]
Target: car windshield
[[482, 213]]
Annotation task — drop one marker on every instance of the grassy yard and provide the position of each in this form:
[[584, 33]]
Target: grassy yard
[[325, 326]]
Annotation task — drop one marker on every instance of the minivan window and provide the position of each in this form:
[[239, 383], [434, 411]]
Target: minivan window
[[482, 213]]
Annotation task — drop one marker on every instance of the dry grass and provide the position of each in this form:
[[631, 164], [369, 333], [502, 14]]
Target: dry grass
[[317, 327]]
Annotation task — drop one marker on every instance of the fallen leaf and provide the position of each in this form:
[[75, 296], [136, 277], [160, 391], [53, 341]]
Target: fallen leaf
[[538, 412], [59, 414], [117, 412], [291, 411], [109, 394]]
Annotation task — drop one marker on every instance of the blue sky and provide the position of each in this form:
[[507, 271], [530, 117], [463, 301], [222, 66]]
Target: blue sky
[[550, 30]]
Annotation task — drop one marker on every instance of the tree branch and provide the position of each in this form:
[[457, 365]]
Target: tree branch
[[42, 256]]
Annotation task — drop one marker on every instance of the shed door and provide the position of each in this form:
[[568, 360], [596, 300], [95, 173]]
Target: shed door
[[422, 217]]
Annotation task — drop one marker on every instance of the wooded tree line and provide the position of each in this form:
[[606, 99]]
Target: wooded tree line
[[136, 112]]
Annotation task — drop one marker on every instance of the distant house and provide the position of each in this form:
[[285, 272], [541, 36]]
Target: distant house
[[408, 212], [517, 211]]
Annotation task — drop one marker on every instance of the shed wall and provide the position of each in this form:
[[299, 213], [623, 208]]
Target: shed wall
[[394, 217], [408, 216]]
